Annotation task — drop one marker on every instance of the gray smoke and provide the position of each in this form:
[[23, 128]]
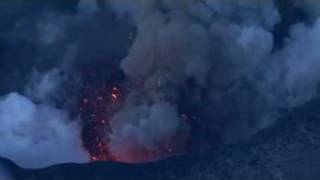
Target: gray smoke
[[143, 128], [214, 60], [214, 43], [296, 66], [226, 47]]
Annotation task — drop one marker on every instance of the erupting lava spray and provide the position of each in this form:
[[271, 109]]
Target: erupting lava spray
[[97, 107]]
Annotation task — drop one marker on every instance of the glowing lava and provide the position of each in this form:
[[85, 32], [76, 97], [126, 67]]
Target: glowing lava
[[96, 109], [115, 95], [98, 106]]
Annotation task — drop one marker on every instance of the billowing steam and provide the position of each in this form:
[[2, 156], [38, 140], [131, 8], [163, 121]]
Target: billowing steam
[[38, 134], [153, 77]]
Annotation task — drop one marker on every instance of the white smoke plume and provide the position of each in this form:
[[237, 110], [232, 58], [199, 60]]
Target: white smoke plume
[[36, 136], [37, 129], [34, 131]]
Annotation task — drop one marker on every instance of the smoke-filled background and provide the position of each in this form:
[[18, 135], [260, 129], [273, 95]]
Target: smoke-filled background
[[141, 80]]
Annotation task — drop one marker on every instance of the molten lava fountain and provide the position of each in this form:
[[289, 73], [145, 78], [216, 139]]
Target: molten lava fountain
[[97, 107]]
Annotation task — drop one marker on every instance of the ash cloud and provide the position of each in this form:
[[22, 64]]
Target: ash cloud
[[217, 45], [216, 62], [227, 49]]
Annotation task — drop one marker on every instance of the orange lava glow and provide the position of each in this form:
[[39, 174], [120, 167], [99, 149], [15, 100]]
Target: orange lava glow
[[97, 109]]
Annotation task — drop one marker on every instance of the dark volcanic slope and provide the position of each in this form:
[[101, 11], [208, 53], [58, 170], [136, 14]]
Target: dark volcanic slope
[[289, 150]]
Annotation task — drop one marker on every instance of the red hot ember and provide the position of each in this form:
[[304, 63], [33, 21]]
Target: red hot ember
[[96, 109], [98, 106]]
